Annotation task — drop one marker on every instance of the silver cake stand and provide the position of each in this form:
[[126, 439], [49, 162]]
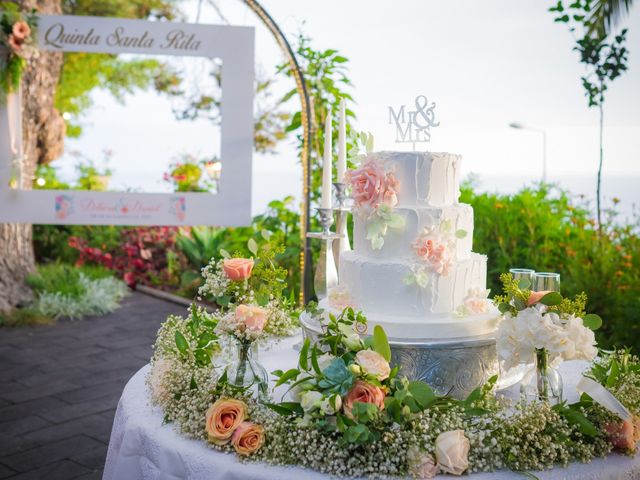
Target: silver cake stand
[[452, 366]]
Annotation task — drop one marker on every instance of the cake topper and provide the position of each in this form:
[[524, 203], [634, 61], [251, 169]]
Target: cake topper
[[414, 126]]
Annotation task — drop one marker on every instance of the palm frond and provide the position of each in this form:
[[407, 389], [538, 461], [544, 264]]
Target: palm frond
[[606, 14]]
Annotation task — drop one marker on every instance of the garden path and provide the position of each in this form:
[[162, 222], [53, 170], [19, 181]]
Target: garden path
[[60, 385]]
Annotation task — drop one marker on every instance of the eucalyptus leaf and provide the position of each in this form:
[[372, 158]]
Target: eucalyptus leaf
[[224, 254], [252, 246], [551, 299], [524, 284], [381, 342], [461, 233], [592, 321]]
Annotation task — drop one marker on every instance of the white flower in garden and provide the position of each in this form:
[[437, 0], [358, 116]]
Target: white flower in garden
[[310, 400]]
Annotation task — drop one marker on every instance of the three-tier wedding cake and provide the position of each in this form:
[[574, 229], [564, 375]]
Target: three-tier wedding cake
[[412, 270]]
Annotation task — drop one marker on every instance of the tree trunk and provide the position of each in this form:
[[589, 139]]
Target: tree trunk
[[43, 136], [599, 186]]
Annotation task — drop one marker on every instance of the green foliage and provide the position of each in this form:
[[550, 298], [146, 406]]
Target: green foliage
[[326, 74], [23, 317], [543, 229], [64, 279]]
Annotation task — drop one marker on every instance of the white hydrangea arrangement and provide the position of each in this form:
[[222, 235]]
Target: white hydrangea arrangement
[[546, 321]]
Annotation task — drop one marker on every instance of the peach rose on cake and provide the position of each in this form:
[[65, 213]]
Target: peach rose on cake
[[374, 364], [21, 31], [238, 269], [365, 393], [367, 183], [248, 438], [391, 185], [223, 418], [452, 452], [251, 317]]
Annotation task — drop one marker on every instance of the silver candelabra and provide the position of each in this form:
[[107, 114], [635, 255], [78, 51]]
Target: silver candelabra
[[326, 276], [341, 244]]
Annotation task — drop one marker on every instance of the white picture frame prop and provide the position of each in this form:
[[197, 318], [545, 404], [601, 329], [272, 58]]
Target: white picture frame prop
[[231, 206]]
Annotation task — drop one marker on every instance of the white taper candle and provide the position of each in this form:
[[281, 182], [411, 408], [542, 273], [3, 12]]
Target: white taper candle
[[342, 143], [328, 164]]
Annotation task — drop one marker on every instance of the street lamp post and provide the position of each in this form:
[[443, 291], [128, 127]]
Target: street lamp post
[[520, 126]]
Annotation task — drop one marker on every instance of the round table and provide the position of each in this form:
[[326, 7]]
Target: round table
[[142, 448]]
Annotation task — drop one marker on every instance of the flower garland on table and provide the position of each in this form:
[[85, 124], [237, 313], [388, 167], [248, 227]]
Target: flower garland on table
[[17, 32], [352, 415], [374, 189]]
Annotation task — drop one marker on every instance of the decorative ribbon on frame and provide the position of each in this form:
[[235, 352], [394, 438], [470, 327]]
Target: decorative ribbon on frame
[[604, 397], [15, 125]]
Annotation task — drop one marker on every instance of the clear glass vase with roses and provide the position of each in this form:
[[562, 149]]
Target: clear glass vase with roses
[[543, 329], [245, 325]]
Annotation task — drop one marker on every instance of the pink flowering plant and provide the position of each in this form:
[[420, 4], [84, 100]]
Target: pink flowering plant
[[17, 33], [374, 189]]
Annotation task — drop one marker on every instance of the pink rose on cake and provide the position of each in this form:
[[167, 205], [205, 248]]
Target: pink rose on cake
[[371, 185], [436, 252], [476, 301]]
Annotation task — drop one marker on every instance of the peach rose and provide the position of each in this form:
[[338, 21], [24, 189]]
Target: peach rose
[[621, 435], [422, 466], [237, 269], [15, 44], [252, 317], [21, 31], [535, 297], [374, 364], [223, 418], [452, 452], [365, 393], [247, 438], [389, 196], [367, 184]]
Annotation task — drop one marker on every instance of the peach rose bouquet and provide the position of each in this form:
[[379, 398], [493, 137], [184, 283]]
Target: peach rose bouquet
[[345, 383], [16, 36]]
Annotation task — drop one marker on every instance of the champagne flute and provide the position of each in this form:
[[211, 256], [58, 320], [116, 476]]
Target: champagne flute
[[523, 274], [546, 281]]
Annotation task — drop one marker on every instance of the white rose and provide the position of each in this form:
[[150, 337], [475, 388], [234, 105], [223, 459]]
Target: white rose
[[452, 452], [351, 339], [327, 408], [295, 394], [325, 360], [310, 400], [374, 364]]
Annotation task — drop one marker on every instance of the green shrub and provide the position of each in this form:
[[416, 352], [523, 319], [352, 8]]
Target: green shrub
[[51, 242], [544, 229]]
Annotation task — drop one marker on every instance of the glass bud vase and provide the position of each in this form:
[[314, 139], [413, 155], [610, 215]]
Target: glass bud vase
[[544, 382], [246, 372]]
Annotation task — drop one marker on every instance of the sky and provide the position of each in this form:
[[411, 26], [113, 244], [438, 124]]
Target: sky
[[485, 64]]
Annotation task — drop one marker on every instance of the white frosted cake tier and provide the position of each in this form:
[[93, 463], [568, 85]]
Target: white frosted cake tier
[[440, 327], [379, 286], [425, 178], [398, 242]]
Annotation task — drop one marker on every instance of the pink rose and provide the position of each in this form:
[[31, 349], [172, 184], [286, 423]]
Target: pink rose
[[252, 317], [367, 183], [374, 364], [422, 466], [21, 31], [389, 196], [621, 435], [248, 438], [365, 393], [223, 418], [238, 268], [452, 452], [535, 297]]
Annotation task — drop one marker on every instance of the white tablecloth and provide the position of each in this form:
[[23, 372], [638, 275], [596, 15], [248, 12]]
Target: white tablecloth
[[142, 448]]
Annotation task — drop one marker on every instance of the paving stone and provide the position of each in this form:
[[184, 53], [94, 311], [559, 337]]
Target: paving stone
[[63, 470], [6, 472], [60, 387], [52, 452], [23, 425], [23, 394]]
